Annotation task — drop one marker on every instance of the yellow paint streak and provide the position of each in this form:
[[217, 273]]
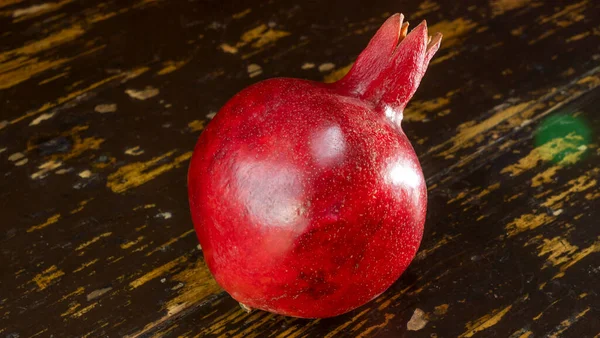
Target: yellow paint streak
[[572, 12], [171, 241], [578, 37], [426, 252], [470, 133], [257, 37], [82, 205], [83, 311], [125, 76], [171, 66], [425, 7], [241, 14], [367, 332], [129, 244], [578, 184], [135, 174], [37, 10], [51, 41], [545, 177], [4, 3], [595, 247], [547, 152], [27, 70], [85, 265], [420, 110], [198, 284], [549, 306], [145, 206], [77, 292], [592, 196], [339, 329], [72, 308], [559, 250], [527, 222], [500, 7], [156, 272], [80, 146], [449, 55], [565, 324], [92, 241], [196, 125], [251, 331], [104, 16], [485, 322], [337, 74], [453, 31], [47, 277], [51, 220], [39, 333]]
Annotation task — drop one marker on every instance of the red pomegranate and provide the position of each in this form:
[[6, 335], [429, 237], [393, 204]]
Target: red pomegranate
[[308, 198]]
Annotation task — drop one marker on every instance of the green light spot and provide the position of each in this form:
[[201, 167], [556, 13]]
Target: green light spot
[[563, 137]]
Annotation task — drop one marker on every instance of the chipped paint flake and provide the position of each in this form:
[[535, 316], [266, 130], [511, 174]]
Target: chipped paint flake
[[417, 321], [135, 174], [85, 174], [143, 94], [47, 277], [97, 293], [42, 117], [254, 70], [16, 157], [227, 48], [325, 67], [134, 151], [164, 215], [22, 162], [106, 108]]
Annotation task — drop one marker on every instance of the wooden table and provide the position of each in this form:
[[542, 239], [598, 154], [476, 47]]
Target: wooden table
[[101, 103]]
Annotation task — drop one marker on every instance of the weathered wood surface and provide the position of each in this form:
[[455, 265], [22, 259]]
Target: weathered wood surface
[[102, 102]]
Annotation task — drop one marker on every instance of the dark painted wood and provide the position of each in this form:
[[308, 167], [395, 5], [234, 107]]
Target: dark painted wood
[[96, 238]]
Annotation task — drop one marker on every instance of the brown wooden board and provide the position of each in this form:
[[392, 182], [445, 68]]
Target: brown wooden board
[[101, 103]]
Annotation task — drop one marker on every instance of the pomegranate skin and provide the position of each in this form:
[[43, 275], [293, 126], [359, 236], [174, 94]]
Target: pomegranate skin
[[308, 199]]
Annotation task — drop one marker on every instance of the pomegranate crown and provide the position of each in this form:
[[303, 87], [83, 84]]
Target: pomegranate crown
[[389, 70]]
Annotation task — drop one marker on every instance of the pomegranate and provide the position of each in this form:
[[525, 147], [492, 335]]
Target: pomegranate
[[307, 198]]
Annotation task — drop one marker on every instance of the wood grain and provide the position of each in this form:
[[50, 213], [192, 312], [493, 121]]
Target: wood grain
[[101, 103]]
